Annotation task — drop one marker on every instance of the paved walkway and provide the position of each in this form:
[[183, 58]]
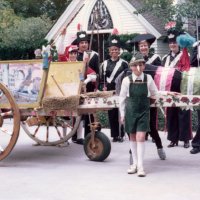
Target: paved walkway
[[52, 173]]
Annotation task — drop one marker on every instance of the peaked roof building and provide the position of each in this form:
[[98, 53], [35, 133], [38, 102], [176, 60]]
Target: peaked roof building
[[101, 17]]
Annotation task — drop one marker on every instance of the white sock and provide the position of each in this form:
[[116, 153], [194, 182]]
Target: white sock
[[80, 131], [140, 154], [133, 147]]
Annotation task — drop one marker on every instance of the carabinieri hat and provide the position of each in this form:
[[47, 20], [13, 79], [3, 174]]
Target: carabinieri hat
[[172, 31], [114, 40], [81, 36]]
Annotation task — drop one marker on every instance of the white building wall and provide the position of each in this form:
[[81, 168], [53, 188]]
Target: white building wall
[[122, 15]]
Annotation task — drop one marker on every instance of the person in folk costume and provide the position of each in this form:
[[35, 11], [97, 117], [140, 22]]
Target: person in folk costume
[[92, 59], [177, 130], [71, 53], [195, 61], [134, 104], [111, 68], [71, 56], [143, 43]]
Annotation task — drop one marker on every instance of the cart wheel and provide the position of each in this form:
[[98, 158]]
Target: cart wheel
[[101, 149], [52, 131], [9, 122]]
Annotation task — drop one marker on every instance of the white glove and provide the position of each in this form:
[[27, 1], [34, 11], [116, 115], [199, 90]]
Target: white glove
[[90, 78], [196, 43]]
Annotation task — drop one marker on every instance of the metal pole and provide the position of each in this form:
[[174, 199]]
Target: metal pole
[[197, 29], [103, 48]]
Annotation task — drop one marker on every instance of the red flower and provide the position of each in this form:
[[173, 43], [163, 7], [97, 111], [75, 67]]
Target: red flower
[[195, 100], [170, 25], [185, 100], [115, 32], [169, 100]]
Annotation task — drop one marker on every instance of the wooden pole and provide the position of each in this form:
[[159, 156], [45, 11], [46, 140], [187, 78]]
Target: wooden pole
[[52, 76]]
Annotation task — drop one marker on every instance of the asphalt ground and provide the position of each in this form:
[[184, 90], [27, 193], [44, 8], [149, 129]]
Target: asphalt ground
[[53, 173]]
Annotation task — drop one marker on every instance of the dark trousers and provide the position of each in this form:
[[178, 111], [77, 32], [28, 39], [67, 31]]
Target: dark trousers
[[196, 139], [153, 128], [179, 124], [116, 129]]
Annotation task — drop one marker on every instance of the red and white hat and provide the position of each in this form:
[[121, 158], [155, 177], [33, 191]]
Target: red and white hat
[[71, 48]]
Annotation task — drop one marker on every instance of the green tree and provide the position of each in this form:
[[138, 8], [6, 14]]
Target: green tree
[[7, 17], [35, 8], [167, 11], [19, 41], [164, 9]]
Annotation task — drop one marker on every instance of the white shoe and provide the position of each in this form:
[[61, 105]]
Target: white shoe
[[141, 173], [132, 169], [161, 154]]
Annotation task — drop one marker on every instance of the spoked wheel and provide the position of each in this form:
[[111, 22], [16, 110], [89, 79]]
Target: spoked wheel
[[51, 131], [98, 150], [9, 122]]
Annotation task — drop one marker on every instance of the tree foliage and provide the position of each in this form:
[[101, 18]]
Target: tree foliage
[[166, 10], [24, 25], [19, 41], [163, 9], [35, 8]]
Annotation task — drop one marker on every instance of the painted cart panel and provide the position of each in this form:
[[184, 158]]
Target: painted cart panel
[[23, 79]]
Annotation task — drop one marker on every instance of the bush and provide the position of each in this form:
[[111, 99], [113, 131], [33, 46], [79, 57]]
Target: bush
[[103, 119], [20, 40]]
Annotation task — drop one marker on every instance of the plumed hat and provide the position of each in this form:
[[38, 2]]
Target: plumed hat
[[138, 57], [141, 37]]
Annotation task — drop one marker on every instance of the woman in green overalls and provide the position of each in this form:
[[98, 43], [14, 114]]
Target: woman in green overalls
[[134, 109]]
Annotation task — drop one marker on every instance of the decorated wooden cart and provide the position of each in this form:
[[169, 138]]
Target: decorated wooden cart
[[45, 103], [48, 105]]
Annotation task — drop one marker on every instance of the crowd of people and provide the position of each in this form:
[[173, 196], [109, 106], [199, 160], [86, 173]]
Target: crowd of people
[[135, 88]]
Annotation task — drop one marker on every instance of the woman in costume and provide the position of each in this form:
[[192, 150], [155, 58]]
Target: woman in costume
[[177, 130]]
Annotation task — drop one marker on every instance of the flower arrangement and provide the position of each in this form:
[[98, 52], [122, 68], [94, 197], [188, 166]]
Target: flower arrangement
[[170, 25]]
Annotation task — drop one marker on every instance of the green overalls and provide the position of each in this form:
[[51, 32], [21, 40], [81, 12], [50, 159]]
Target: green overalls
[[137, 107]]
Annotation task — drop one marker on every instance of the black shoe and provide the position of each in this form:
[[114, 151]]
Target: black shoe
[[78, 141], [115, 139], [186, 144], [195, 150], [120, 139], [173, 144]]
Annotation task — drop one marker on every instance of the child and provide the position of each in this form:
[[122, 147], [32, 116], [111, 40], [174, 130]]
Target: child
[[135, 109]]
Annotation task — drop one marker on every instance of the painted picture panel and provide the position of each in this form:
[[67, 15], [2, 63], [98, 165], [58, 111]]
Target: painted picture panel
[[23, 79]]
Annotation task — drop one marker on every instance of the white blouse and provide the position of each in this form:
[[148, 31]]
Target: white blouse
[[152, 90]]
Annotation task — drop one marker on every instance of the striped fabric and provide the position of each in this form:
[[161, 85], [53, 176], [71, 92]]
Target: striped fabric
[[190, 84], [163, 78]]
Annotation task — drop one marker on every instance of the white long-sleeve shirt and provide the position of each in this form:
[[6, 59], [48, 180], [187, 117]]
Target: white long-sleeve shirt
[[152, 90]]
